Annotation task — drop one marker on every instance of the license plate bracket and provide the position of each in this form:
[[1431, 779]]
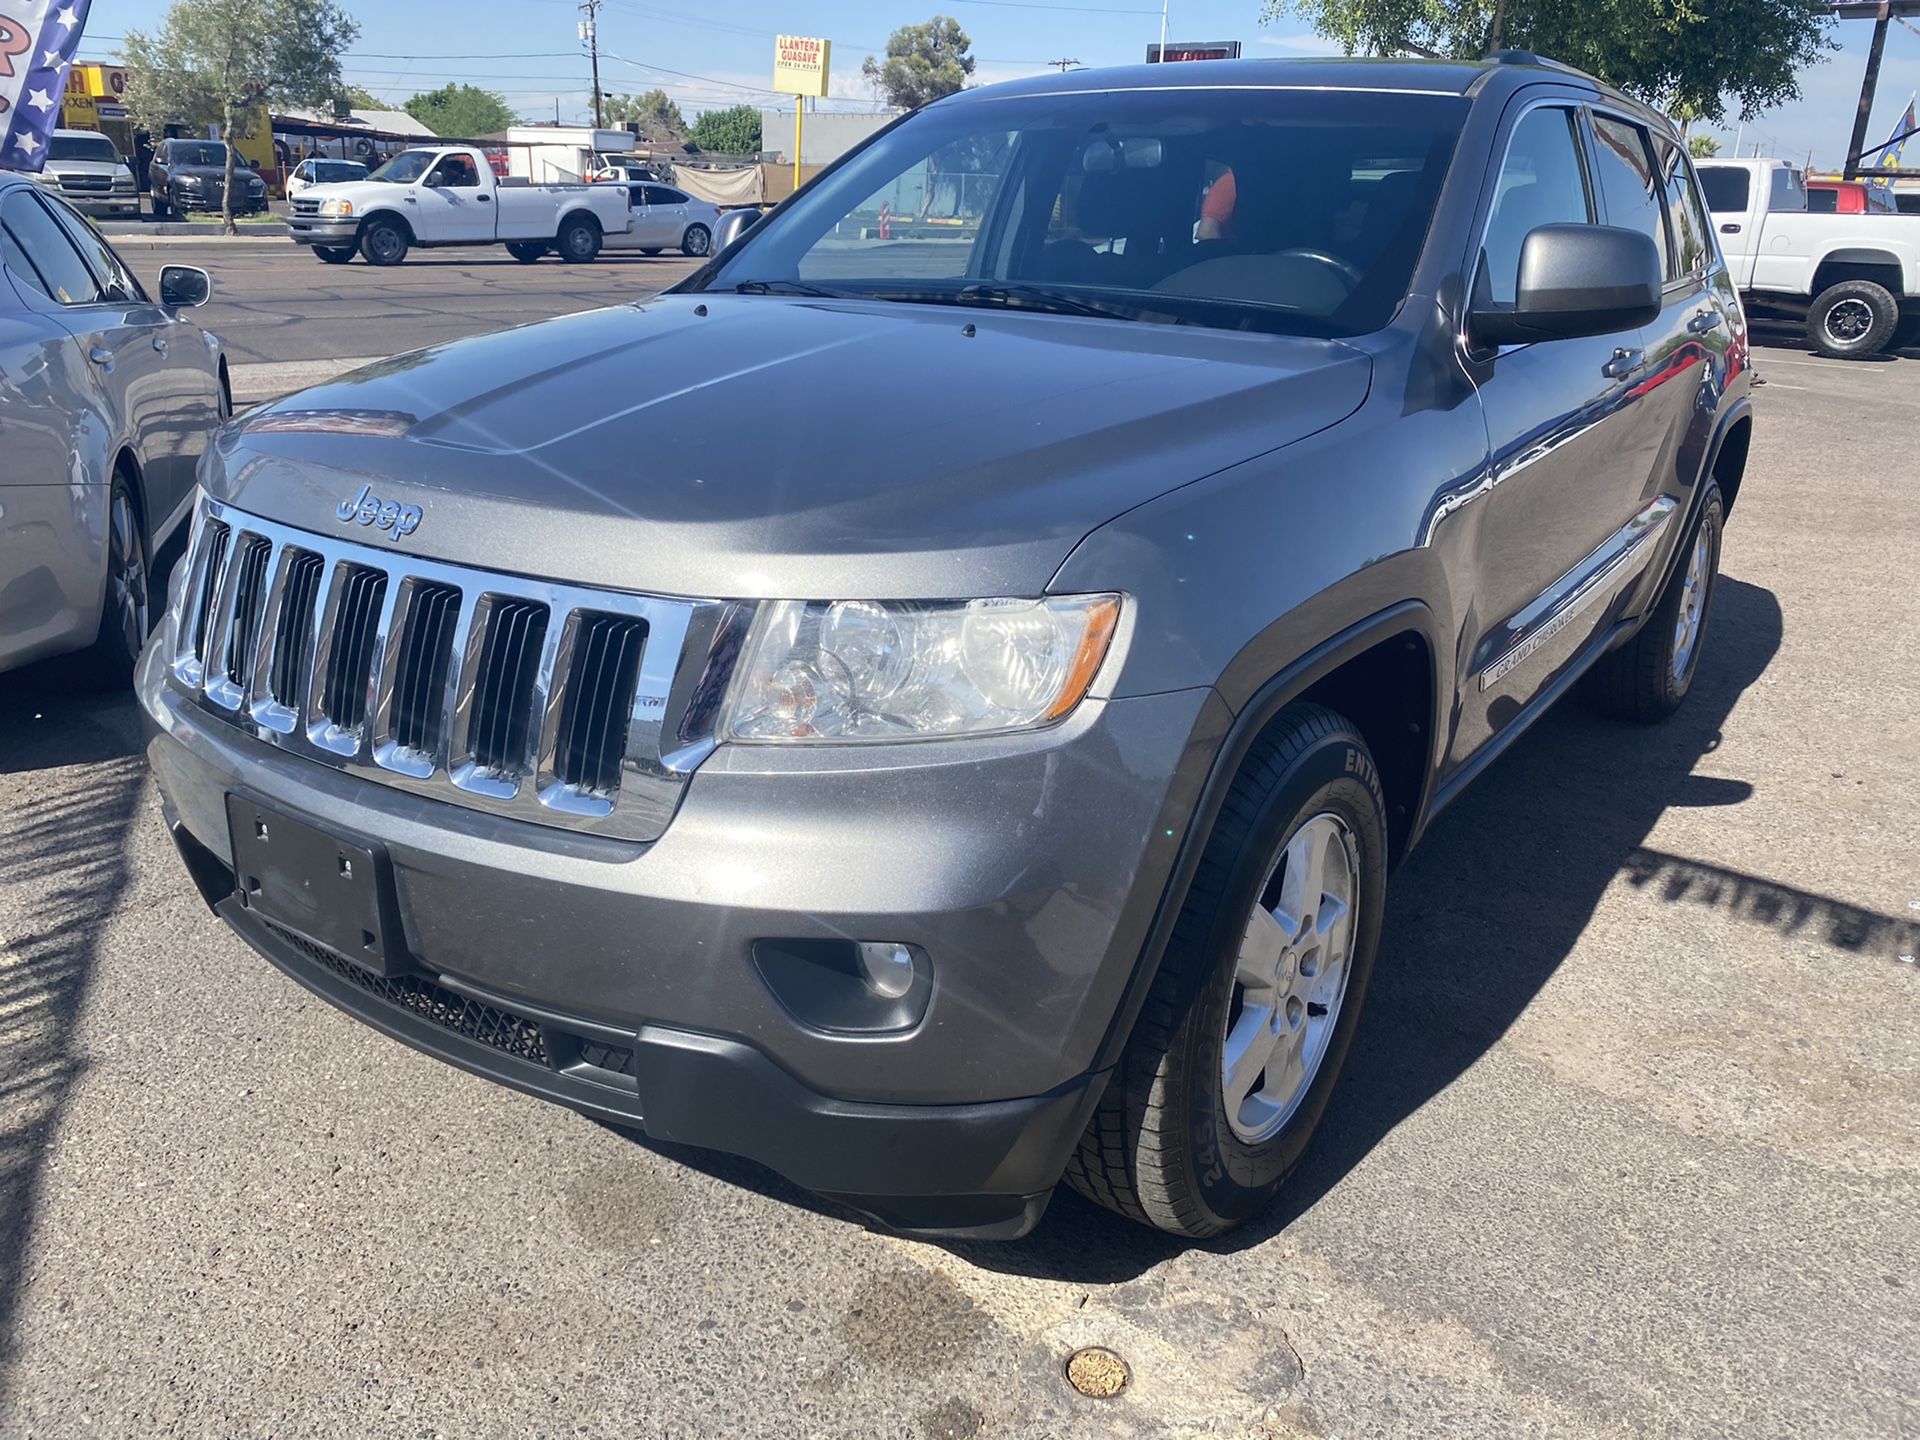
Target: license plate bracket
[[333, 891]]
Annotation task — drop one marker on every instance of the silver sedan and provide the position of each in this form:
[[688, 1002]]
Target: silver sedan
[[666, 219], [107, 399]]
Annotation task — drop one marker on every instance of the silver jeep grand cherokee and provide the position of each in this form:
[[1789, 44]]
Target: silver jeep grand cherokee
[[933, 703]]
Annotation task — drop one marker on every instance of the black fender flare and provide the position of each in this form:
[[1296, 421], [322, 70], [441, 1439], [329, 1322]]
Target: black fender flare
[[1253, 717]]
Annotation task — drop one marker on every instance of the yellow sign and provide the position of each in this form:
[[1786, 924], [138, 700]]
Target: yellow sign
[[102, 82], [800, 65]]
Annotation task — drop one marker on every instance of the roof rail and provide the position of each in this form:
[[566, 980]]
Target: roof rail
[[1524, 57]]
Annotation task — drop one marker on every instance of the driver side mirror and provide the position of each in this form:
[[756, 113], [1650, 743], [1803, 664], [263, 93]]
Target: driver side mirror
[[184, 286], [1575, 280], [732, 225]]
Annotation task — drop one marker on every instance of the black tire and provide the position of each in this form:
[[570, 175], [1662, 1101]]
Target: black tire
[[384, 242], [1647, 678], [126, 612], [697, 242], [655, 250], [1906, 335], [1853, 319], [526, 251], [159, 205], [578, 241], [334, 254], [1160, 1148]]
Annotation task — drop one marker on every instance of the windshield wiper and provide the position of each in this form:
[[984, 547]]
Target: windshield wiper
[[786, 287], [1014, 295]]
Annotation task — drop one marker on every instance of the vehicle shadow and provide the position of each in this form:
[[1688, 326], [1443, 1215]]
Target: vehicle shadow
[[1785, 335], [63, 871]]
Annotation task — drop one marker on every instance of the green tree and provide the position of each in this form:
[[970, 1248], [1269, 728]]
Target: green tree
[[362, 99], [925, 62], [230, 62], [1682, 55], [658, 117], [461, 112], [1702, 147], [734, 131]]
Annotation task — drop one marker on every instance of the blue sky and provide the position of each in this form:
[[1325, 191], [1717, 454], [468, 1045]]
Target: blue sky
[[706, 55]]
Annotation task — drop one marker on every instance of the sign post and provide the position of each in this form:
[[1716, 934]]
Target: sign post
[[800, 65]]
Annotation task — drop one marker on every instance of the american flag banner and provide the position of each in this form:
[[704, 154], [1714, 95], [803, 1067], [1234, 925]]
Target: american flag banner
[[37, 41]]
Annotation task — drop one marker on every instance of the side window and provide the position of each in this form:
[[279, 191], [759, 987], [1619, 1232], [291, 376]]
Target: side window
[[1623, 173], [116, 280], [1789, 191], [1691, 245], [1727, 189], [63, 275], [1542, 182], [672, 197], [456, 172]]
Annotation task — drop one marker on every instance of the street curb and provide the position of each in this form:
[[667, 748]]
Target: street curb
[[165, 233]]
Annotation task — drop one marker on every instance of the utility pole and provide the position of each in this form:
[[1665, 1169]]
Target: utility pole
[[590, 32], [1065, 65]]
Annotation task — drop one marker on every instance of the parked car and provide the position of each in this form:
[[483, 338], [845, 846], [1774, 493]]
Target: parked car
[[1850, 197], [970, 749], [1852, 280], [90, 175], [189, 175], [449, 195], [107, 399], [317, 170], [667, 219]]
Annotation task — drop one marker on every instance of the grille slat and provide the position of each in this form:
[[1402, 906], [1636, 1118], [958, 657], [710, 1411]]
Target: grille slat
[[449, 681], [361, 597], [249, 604], [219, 537], [293, 638], [600, 689], [419, 719], [503, 694]]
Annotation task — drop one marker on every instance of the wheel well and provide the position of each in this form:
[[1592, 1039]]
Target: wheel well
[[1843, 265], [395, 216], [1730, 465], [126, 466], [573, 215], [1387, 692]]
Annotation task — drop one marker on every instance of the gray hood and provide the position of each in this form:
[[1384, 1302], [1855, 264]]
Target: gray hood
[[759, 446]]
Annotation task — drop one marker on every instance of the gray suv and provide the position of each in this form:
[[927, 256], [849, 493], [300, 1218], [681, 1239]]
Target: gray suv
[[934, 703]]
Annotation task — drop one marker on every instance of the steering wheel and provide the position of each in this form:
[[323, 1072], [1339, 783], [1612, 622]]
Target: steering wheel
[[1344, 269]]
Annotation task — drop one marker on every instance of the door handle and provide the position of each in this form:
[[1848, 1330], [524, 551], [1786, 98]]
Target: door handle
[[1623, 364], [1730, 228], [101, 356], [160, 343], [484, 199], [1704, 321]]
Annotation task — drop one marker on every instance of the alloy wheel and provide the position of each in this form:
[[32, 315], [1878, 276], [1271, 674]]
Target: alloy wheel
[[1290, 979], [128, 597], [1848, 321], [1693, 604]]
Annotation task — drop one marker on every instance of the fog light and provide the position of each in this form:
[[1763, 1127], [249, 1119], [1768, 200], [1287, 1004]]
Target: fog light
[[888, 966]]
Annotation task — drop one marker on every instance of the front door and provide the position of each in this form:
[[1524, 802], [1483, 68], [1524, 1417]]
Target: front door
[[1570, 443], [454, 205], [1730, 201]]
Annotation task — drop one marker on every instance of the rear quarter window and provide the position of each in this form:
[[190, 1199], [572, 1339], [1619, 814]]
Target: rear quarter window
[[1727, 190]]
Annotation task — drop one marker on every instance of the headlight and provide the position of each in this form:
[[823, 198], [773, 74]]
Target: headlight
[[189, 182], [863, 670], [336, 207]]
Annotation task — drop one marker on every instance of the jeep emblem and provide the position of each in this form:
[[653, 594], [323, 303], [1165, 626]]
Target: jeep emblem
[[367, 508]]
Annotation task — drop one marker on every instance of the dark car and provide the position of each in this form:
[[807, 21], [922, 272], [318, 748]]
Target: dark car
[[970, 749], [187, 175]]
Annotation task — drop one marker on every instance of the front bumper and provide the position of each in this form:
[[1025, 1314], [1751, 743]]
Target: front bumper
[[1028, 875], [309, 231], [104, 207]]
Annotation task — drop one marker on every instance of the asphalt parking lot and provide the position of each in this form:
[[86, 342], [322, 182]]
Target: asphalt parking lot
[[1629, 1144]]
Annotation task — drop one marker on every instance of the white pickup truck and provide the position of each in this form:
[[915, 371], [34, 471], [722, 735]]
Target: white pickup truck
[[448, 195], [1854, 279]]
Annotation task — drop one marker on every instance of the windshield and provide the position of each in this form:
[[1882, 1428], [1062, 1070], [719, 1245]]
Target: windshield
[[1295, 211], [205, 152], [406, 167], [334, 170], [82, 147]]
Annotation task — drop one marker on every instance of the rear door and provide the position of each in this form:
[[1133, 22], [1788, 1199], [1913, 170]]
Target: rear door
[[1570, 446]]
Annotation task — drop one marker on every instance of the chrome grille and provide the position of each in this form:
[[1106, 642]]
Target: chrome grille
[[303, 206], [551, 703]]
